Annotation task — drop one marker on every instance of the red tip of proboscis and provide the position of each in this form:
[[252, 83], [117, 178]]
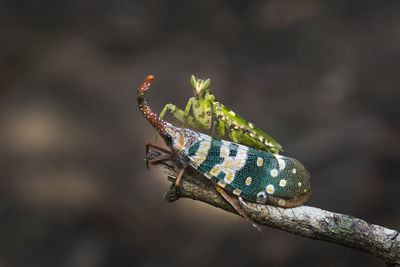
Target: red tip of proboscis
[[150, 77]]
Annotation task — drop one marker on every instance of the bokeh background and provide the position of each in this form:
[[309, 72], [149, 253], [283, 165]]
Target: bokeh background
[[320, 76]]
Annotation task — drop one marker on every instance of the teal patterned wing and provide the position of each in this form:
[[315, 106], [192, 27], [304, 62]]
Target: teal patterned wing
[[252, 174]]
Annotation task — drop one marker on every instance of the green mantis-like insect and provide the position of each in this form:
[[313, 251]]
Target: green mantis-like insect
[[209, 113]]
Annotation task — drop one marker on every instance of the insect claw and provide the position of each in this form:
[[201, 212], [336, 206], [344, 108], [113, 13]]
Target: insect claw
[[179, 177], [243, 203], [239, 210]]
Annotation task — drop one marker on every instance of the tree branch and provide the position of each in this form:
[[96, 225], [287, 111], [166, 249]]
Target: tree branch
[[306, 221]]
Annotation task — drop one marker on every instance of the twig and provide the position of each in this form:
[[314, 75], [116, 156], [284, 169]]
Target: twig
[[306, 221]]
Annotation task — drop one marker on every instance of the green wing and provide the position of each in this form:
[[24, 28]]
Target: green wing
[[247, 133]]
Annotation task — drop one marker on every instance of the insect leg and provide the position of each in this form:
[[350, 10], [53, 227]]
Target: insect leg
[[219, 118], [179, 177], [242, 202], [161, 149], [170, 107], [192, 101], [213, 128], [179, 114], [176, 112], [233, 135], [161, 158], [221, 128], [222, 192]]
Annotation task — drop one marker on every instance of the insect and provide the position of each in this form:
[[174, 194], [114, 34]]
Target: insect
[[208, 113], [250, 174]]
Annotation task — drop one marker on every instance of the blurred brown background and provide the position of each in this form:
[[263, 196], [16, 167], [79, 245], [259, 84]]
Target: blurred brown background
[[320, 76]]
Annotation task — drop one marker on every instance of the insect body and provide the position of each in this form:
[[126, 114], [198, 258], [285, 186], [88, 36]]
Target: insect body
[[206, 111], [254, 175]]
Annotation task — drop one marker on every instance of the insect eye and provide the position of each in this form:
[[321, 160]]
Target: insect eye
[[262, 197], [168, 138]]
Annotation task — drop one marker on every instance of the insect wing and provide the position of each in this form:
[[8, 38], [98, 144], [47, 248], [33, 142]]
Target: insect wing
[[246, 171], [227, 164], [230, 114]]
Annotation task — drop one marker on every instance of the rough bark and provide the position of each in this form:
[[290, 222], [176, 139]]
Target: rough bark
[[310, 222]]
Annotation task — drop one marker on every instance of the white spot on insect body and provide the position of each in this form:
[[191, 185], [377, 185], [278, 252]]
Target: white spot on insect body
[[208, 175], [221, 184], [281, 162], [237, 192], [214, 171], [294, 171], [299, 184], [232, 113], [248, 181], [282, 183], [251, 125], [229, 178], [270, 189], [260, 162], [274, 172]]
